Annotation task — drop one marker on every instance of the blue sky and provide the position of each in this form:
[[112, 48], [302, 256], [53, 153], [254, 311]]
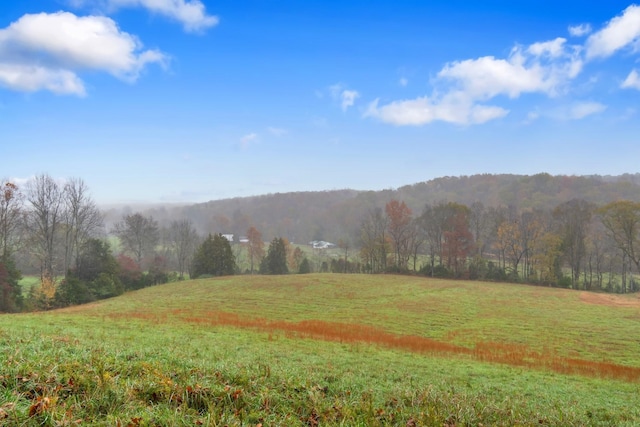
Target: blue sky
[[188, 101]]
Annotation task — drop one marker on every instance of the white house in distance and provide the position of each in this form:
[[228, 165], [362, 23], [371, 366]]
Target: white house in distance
[[321, 244], [229, 237], [243, 239]]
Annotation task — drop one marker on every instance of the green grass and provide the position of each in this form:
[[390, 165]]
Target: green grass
[[167, 356], [460, 312], [27, 282]]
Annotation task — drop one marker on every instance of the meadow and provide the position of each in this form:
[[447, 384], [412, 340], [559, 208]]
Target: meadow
[[327, 349]]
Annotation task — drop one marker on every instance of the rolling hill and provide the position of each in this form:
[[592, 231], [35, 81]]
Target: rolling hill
[[326, 349]]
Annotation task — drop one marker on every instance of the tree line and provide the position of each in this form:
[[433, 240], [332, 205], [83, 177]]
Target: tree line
[[53, 229], [576, 245]]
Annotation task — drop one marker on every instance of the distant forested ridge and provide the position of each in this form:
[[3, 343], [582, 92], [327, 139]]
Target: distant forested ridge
[[337, 214]]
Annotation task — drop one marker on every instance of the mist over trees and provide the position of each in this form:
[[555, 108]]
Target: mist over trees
[[53, 230], [575, 232], [81, 218], [138, 236], [182, 239], [333, 215], [43, 222]]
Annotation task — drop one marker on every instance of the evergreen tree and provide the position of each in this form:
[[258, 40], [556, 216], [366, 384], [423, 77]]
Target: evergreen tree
[[99, 269], [305, 267], [10, 292], [95, 258], [276, 260], [214, 257]]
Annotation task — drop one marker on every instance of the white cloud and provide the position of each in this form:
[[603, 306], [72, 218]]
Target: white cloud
[[22, 182], [454, 108], [583, 109], [542, 67], [632, 81], [190, 13], [552, 48], [463, 90], [488, 77], [31, 78], [403, 81], [277, 131], [464, 87], [45, 51], [580, 30], [247, 139], [622, 31], [348, 98], [575, 111]]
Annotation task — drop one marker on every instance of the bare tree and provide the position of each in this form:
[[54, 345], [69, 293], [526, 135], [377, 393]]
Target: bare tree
[[255, 246], [44, 218], [533, 225], [495, 217], [418, 238], [344, 244], [11, 216], [622, 222], [82, 220], [138, 235], [509, 245], [478, 226], [574, 218], [435, 221], [374, 240], [600, 249], [183, 240]]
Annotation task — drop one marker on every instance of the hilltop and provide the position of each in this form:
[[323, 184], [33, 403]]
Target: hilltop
[[337, 214]]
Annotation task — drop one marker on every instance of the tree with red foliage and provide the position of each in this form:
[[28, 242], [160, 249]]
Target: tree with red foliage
[[446, 228], [400, 231], [458, 242], [159, 270], [130, 273]]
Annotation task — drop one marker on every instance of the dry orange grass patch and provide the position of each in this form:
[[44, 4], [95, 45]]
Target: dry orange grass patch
[[610, 300], [492, 352]]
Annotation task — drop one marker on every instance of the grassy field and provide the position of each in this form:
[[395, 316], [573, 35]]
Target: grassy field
[[27, 282], [327, 349]]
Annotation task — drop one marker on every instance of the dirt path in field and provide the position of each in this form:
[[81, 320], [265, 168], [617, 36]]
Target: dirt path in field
[[610, 300]]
